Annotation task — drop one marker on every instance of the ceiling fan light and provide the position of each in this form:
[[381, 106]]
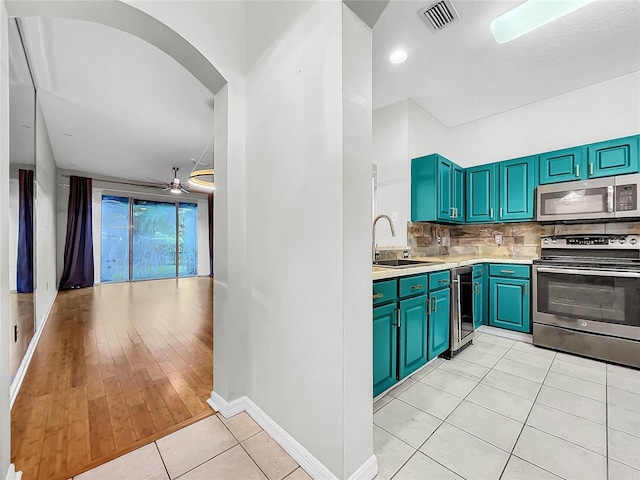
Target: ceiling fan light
[[202, 178], [531, 15], [175, 189]]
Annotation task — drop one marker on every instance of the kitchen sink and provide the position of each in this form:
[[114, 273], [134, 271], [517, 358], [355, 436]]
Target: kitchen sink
[[402, 263]]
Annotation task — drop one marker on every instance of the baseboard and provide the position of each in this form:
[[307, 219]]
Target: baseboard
[[367, 471], [26, 360], [501, 332], [12, 474], [310, 464]]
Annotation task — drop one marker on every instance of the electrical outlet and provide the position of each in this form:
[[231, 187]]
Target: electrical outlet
[[498, 238], [438, 239]]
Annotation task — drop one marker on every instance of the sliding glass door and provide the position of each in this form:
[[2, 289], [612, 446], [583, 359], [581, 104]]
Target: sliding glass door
[[144, 239]]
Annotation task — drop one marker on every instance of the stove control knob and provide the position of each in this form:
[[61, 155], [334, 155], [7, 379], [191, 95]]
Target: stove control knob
[[546, 241], [612, 240], [554, 241], [622, 241], [633, 241]]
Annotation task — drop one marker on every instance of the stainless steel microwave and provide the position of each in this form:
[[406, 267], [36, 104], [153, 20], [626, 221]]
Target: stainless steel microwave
[[596, 199]]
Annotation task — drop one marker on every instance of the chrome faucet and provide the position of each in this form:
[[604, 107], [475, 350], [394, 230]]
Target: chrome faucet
[[373, 234]]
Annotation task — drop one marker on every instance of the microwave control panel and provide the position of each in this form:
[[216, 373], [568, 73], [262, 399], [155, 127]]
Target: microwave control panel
[[626, 197]]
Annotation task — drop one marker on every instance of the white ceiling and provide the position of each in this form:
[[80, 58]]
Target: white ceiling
[[114, 104], [462, 74]]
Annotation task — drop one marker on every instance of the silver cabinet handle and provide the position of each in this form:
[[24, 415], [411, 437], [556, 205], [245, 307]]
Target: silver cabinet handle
[[443, 281], [578, 171], [491, 213], [453, 212], [435, 305], [416, 287], [500, 212], [507, 271], [591, 168]]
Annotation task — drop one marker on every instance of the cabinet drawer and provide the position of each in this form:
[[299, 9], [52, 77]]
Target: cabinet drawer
[[478, 270], [509, 270], [439, 279], [384, 291], [410, 286]]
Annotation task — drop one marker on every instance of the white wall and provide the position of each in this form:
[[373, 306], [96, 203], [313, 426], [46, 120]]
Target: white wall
[[5, 324], [607, 110], [45, 221], [308, 171], [600, 112], [390, 153]]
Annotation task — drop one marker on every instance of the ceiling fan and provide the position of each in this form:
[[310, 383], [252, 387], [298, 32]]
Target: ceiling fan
[[175, 186]]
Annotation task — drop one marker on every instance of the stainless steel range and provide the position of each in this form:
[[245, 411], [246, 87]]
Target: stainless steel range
[[586, 296]]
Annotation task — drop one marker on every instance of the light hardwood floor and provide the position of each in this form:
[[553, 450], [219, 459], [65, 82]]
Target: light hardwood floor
[[117, 366]]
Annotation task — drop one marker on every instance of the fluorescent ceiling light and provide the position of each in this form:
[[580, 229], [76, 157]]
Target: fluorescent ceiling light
[[531, 15], [398, 56]]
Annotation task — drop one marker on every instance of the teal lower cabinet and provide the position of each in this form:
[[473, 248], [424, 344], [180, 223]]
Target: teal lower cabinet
[[385, 347], [410, 325], [478, 295], [439, 322], [509, 298], [412, 342]]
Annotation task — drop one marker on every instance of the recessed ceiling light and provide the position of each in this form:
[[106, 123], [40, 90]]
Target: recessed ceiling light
[[398, 56], [530, 15]]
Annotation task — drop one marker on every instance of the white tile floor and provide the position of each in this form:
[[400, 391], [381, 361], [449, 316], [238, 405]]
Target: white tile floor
[[213, 448], [508, 410], [500, 410]]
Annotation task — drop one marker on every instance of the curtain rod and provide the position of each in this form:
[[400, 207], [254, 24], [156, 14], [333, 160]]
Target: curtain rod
[[152, 185]]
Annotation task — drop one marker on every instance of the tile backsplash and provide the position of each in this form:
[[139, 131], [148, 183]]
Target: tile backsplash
[[518, 239]]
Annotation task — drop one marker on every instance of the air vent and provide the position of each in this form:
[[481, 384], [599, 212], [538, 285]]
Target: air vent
[[438, 15]]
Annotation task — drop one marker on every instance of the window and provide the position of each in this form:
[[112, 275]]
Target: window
[[144, 239]]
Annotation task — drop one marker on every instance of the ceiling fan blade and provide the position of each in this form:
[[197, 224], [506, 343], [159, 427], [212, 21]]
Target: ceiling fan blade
[[184, 190]]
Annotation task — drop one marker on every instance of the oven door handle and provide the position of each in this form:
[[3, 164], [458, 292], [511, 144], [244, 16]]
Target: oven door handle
[[595, 273]]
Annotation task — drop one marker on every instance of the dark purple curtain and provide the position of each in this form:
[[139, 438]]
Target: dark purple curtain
[[211, 234], [24, 277], [78, 249]]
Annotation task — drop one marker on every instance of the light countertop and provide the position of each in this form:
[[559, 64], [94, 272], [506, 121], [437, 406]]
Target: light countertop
[[449, 262]]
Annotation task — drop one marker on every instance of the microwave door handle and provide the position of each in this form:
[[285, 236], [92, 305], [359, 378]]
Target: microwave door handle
[[596, 273], [610, 198]]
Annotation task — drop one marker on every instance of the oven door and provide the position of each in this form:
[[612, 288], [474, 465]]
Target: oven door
[[599, 301], [593, 199]]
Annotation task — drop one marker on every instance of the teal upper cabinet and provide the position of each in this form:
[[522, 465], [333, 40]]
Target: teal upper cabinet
[[458, 194], [563, 165], [436, 189], [603, 159], [613, 157], [517, 185], [481, 193], [502, 191]]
